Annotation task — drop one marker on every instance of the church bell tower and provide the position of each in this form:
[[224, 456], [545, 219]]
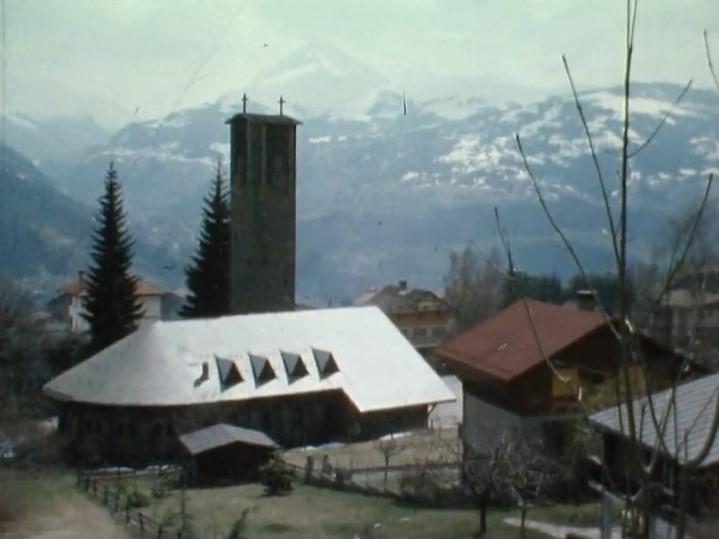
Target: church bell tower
[[262, 186]]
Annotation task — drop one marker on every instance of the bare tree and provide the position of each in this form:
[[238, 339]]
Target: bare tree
[[511, 469], [473, 286], [640, 464], [389, 448]]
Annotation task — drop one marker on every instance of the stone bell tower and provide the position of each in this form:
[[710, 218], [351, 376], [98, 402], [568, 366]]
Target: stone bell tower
[[262, 186]]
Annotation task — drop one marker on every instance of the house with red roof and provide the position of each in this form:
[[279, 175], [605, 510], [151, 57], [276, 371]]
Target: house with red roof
[[510, 366]]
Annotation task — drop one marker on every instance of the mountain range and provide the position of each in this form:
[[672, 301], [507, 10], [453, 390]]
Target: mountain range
[[385, 195]]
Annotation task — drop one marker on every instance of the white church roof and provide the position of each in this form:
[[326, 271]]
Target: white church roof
[[357, 350]]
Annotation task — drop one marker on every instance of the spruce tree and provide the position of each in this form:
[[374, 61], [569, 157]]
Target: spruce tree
[[112, 305], [208, 276]]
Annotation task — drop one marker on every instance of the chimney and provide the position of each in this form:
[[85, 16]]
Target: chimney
[[403, 285], [586, 300]]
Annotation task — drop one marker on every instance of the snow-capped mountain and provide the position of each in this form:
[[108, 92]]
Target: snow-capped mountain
[[52, 139], [385, 195]]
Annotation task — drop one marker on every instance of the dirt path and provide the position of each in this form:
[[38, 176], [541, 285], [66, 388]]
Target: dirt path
[[78, 519], [560, 532]]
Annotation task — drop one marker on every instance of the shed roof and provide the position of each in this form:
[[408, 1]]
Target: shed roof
[[696, 404], [173, 363], [505, 346], [220, 435], [263, 119]]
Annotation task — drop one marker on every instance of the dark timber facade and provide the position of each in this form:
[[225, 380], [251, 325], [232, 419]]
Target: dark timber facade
[[263, 174]]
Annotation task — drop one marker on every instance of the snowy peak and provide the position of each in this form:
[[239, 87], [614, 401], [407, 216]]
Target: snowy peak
[[307, 76]]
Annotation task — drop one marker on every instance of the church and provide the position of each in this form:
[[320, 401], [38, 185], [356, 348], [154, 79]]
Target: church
[[298, 377]]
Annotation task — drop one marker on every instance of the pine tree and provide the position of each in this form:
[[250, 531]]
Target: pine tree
[[208, 276], [112, 305]]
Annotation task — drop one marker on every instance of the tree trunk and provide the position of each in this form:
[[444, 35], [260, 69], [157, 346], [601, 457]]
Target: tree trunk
[[522, 529], [483, 502], [386, 469]]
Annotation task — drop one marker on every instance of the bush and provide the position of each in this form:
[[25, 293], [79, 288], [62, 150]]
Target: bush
[[137, 499], [276, 477], [423, 486]]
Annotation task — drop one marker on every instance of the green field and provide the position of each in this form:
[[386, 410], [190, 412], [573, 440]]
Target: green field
[[49, 506]]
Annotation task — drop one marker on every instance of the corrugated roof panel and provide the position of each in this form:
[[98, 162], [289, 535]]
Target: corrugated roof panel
[[688, 424]]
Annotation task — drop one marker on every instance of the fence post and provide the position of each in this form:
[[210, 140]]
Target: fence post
[[127, 512], [142, 524], [105, 495], [117, 500], [159, 532]]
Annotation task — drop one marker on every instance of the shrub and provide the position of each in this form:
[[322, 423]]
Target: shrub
[[137, 499], [423, 486], [276, 477]]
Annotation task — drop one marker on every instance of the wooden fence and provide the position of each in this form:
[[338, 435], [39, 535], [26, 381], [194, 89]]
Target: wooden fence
[[348, 480], [106, 489]]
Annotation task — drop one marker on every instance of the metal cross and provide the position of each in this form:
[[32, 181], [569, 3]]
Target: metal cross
[[281, 102], [244, 103]]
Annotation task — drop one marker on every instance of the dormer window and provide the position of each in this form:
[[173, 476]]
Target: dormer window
[[325, 361], [261, 369], [294, 366], [228, 373]]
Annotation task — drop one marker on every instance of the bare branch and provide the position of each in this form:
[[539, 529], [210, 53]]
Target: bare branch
[[674, 270], [597, 168], [707, 51], [661, 123], [697, 460], [504, 240], [560, 233]]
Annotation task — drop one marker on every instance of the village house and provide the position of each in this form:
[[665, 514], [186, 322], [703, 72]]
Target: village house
[[508, 385], [421, 315], [689, 440], [301, 378], [67, 307]]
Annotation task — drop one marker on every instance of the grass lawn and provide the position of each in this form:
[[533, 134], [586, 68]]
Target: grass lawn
[[45, 504], [310, 512]]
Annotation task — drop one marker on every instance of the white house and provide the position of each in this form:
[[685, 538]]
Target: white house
[[68, 305]]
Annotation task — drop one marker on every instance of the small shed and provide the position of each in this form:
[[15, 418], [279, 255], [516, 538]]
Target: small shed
[[224, 452]]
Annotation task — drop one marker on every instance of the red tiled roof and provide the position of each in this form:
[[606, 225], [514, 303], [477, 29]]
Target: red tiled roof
[[504, 345], [144, 288]]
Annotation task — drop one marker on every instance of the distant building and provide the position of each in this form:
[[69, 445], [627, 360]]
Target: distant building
[[688, 320], [421, 315], [507, 382], [67, 307], [262, 186], [301, 377]]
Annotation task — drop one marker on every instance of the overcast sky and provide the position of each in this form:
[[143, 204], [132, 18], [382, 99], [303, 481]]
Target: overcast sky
[[123, 58]]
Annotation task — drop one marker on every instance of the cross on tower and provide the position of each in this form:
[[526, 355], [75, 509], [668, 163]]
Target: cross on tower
[[281, 102], [244, 103]]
